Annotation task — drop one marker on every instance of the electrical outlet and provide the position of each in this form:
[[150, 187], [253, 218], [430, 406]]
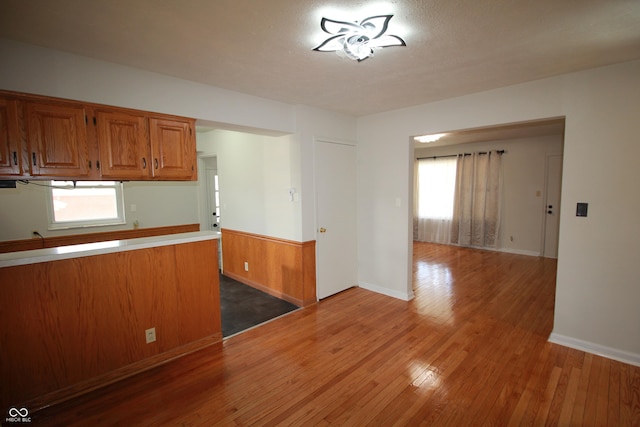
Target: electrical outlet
[[246, 266], [150, 335]]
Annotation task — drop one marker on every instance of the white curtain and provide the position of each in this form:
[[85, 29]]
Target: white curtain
[[476, 211], [434, 184]]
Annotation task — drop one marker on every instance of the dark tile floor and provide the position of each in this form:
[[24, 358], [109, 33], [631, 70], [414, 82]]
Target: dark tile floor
[[244, 307]]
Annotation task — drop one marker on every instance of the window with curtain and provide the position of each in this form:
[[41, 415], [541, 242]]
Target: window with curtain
[[435, 188], [457, 199]]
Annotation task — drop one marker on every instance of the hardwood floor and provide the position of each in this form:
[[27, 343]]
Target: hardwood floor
[[470, 349]]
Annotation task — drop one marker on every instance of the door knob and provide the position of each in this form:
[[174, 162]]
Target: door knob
[[323, 230]]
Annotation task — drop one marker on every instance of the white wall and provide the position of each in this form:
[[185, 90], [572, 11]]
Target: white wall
[[523, 205], [255, 173], [24, 209], [312, 125], [598, 283], [31, 69]]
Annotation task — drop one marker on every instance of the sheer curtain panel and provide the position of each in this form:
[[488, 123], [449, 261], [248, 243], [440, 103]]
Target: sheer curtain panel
[[476, 211]]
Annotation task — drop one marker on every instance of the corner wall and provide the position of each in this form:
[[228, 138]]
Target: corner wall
[[598, 283]]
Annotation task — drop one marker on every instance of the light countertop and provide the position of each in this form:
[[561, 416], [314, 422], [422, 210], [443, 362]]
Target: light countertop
[[99, 248]]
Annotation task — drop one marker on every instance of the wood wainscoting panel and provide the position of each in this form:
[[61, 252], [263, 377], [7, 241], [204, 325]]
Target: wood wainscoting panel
[[279, 267], [77, 239], [195, 319], [72, 325], [309, 273]]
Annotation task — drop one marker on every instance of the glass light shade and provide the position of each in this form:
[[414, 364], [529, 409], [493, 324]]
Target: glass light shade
[[358, 40]]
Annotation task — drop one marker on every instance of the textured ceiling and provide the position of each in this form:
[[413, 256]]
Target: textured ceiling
[[264, 48]]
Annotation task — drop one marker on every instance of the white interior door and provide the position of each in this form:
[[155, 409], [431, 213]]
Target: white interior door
[[335, 175], [552, 206]]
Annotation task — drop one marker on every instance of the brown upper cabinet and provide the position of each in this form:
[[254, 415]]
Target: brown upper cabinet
[[172, 143], [123, 142], [56, 139], [10, 143], [57, 143]]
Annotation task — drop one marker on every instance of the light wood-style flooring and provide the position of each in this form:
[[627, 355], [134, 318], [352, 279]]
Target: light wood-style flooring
[[470, 350]]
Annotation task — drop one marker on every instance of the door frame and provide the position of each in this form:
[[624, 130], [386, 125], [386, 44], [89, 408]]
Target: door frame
[[203, 203], [543, 236], [316, 226], [202, 193]]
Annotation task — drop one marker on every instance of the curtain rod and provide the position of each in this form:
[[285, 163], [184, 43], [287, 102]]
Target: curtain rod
[[456, 155]]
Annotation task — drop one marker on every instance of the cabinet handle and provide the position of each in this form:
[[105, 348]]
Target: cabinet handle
[[33, 158], [89, 164], [156, 161], [144, 163], [15, 157], [97, 164]]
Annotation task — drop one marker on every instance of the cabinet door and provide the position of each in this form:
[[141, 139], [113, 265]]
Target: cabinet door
[[10, 144], [123, 144], [57, 140], [173, 149]]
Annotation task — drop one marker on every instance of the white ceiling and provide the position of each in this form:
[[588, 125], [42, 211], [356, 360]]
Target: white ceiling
[[264, 48]]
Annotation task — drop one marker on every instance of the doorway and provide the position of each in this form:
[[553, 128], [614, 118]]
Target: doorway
[[553, 185], [210, 199], [532, 170], [213, 193]]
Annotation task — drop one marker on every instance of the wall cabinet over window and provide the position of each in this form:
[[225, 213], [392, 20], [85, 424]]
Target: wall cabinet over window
[[44, 138], [57, 143]]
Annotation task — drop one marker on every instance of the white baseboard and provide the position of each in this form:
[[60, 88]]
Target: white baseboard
[[386, 291], [519, 252], [597, 349]]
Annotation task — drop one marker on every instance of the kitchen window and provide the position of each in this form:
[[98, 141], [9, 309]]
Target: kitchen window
[[77, 204]]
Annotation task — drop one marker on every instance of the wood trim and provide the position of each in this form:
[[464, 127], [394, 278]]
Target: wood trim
[[283, 268], [76, 239], [265, 238]]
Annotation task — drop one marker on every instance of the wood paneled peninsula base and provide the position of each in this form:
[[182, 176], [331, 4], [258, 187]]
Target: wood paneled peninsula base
[[75, 318]]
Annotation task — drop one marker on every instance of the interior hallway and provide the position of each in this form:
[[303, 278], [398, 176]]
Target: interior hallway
[[470, 348]]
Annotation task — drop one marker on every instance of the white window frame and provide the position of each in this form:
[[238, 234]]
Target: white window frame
[[61, 225]]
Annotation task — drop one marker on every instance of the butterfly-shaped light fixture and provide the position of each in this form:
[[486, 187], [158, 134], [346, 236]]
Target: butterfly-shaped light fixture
[[358, 40]]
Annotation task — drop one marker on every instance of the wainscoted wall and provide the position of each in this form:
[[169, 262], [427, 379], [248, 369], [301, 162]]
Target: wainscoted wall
[[76, 239], [73, 325], [282, 268]]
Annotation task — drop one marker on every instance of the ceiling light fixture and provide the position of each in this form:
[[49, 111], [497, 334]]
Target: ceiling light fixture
[[430, 138], [358, 40]]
